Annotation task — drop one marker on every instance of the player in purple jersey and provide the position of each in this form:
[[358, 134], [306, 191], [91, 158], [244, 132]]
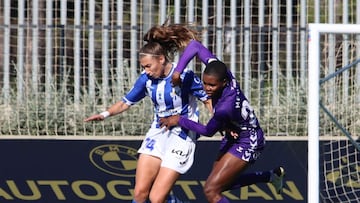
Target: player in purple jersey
[[158, 167], [243, 139]]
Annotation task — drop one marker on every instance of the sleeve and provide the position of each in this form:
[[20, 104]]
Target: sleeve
[[137, 92], [209, 130], [195, 85], [195, 48]]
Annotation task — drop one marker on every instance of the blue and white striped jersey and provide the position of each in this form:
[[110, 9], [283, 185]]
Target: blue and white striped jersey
[[169, 100]]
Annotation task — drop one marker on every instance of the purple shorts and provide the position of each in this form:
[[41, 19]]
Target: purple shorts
[[247, 146]]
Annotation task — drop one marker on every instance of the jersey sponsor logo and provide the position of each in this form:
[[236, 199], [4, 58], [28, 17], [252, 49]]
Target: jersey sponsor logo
[[179, 153], [183, 162], [114, 159], [169, 112]]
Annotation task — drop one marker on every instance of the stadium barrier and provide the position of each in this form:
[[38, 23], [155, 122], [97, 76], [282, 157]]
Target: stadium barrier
[[102, 170]]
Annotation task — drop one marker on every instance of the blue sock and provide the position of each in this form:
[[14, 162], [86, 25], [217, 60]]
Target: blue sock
[[173, 199], [133, 201], [170, 199], [251, 178], [223, 200]]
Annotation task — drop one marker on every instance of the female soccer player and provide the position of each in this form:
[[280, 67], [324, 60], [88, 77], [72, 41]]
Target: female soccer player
[[158, 167], [243, 140]]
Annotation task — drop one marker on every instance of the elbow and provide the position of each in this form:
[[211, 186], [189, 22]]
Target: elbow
[[208, 134]]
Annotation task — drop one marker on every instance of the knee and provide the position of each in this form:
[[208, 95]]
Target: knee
[[211, 191], [156, 198], [140, 195]]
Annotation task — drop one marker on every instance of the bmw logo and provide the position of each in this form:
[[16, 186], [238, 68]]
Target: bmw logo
[[115, 159]]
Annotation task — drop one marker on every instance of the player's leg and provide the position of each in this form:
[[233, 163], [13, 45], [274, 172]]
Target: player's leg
[[149, 162], [277, 179], [274, 176], [146, 170], [222, 176], [237, 155], [162, 185], [252, 143], [178, 159]]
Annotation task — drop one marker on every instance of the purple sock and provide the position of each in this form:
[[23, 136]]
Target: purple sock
[[251, 178], [223, 200]]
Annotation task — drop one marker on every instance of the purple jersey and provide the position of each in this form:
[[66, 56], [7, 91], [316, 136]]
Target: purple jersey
[[232, 112]]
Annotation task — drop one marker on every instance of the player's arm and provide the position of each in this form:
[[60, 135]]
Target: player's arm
[[115, 109], [133, 96], [195, 48], [207, 130]]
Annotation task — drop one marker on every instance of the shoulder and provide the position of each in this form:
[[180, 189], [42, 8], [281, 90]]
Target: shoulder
[[188, 76], [229, 93], [226, 103], [142, 79], [221, 112], [143, 76]]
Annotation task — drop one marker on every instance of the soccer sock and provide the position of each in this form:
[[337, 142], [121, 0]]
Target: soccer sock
[[223, 200], [251, 178], [172, 199], [133, 201]]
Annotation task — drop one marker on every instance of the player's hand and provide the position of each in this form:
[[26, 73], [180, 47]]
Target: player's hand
[[96, 117], [233, 134], [169, 122], [176, 80]]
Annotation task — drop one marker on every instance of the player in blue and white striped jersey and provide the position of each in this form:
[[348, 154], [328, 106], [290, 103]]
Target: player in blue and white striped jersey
[[164, 155], [167, 100]]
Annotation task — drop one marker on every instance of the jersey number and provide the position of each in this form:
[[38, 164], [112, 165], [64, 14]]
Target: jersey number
[[150, 143]]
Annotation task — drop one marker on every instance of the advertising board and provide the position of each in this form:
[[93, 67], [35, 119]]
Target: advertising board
[[79, 171]]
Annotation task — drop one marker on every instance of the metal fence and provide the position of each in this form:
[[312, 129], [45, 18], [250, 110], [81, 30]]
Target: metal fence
[[63, 60]]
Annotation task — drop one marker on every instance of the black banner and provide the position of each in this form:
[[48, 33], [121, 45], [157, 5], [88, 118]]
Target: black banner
[[79, 171]]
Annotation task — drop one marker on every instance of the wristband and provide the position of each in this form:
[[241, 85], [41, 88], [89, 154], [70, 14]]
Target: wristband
[[105, 114]]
